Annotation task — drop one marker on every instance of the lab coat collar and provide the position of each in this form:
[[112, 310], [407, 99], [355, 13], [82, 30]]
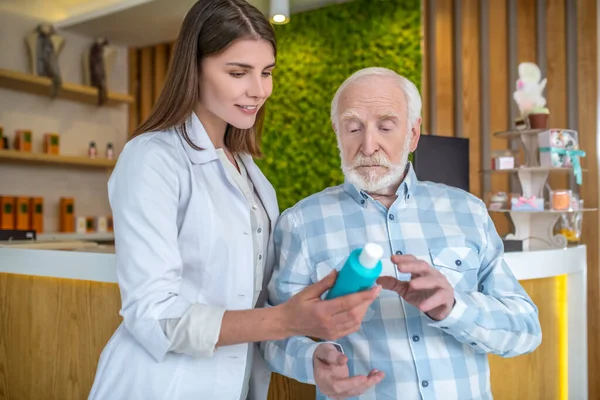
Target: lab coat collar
[[263, 187], [199, 137]]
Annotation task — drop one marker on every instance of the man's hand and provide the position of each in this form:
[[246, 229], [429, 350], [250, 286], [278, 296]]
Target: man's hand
[[306, 314], [428, 289], [332, 376]]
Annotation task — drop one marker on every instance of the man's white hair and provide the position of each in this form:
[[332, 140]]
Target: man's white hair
[[413, 98]]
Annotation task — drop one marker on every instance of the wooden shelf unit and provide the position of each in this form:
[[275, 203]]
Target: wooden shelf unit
[[41, 86], [42, 158]]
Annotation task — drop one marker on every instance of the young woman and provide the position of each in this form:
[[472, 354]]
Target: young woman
[[193, 219]]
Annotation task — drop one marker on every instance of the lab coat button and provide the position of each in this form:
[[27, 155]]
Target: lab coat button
[[254, 207]]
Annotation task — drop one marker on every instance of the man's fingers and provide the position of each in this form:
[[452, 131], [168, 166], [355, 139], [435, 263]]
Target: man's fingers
[[427, 282], [433, 302], [411, 265], [391, 283], [397, 259], [345, 303], [343, 385], [332, 356], [351, 387], [372, 380]]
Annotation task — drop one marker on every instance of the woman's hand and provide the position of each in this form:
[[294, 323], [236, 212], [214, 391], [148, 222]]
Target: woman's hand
[[307, 315]]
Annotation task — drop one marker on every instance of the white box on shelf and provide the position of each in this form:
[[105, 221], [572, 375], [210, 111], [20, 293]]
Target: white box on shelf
[[520, 203], [555, 146], [101, 225], [80, 225], [504, 162]]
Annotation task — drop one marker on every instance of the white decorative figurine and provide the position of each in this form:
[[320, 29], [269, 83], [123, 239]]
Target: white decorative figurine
[[528, 95]]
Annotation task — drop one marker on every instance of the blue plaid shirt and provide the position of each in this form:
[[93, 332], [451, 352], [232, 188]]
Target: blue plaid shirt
[[421, 358]]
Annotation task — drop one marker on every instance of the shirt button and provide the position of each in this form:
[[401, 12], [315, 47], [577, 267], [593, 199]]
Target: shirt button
[[259, 230], [473, 344], [362, 202], [415, 338], [399, 252], [424, 383], [444, 327], [458, 262], [392, 217], [254, 206], [260, 257]]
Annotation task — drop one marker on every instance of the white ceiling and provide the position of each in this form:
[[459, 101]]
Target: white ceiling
[[134, 23]]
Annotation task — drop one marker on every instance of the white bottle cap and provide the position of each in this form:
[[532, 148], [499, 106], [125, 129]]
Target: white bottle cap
[[370, 255]]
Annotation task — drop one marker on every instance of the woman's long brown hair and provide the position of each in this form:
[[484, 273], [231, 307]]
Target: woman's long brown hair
[[208, 28]]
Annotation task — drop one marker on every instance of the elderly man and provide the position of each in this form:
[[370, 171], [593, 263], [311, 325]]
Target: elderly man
[[449, 297]]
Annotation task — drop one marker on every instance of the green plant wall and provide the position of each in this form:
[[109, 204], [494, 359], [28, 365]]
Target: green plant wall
[[317, 51]]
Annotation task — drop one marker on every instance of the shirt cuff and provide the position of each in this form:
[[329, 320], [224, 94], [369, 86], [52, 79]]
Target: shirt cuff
[[461, 317], [197, 332]]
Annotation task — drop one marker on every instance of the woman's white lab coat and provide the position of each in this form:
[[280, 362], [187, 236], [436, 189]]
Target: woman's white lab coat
[[182, 236]]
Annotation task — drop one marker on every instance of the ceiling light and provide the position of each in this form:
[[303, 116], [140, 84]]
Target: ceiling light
[[280, 11]]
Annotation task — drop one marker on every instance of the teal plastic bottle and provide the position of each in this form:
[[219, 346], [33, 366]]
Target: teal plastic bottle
[[361, 270]]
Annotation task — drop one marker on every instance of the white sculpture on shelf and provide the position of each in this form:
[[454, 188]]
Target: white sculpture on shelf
[[529, 88], [529, 95]]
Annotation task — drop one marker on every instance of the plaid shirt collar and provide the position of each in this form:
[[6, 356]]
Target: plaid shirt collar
[[405, 189]]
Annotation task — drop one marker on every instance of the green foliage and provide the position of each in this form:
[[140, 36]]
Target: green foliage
[[317, 51]]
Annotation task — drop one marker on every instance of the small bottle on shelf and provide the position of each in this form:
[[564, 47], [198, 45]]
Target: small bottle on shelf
[[92, 151], [110, 154]]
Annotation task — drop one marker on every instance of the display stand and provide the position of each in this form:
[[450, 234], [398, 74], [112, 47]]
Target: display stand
[[534, 228]]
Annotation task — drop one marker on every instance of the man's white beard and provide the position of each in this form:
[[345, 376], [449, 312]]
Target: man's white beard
[[371, 181]]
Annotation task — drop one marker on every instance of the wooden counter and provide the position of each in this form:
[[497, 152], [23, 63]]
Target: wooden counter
[[58, 309]]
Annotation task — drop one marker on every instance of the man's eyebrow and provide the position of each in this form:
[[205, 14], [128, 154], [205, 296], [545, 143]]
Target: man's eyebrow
[[388, 115], [349, 114], [248, 66]]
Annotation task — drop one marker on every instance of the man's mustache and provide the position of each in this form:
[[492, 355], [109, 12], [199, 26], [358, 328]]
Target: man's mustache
[[370, 162]]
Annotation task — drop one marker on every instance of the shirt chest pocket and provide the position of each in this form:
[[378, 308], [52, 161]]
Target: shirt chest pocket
[[459, 265]]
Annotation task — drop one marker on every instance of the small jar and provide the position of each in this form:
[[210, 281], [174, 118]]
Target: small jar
[[561, 199], [498, 201]]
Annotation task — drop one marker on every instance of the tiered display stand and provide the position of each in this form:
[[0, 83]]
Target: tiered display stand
[[534, 228]]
